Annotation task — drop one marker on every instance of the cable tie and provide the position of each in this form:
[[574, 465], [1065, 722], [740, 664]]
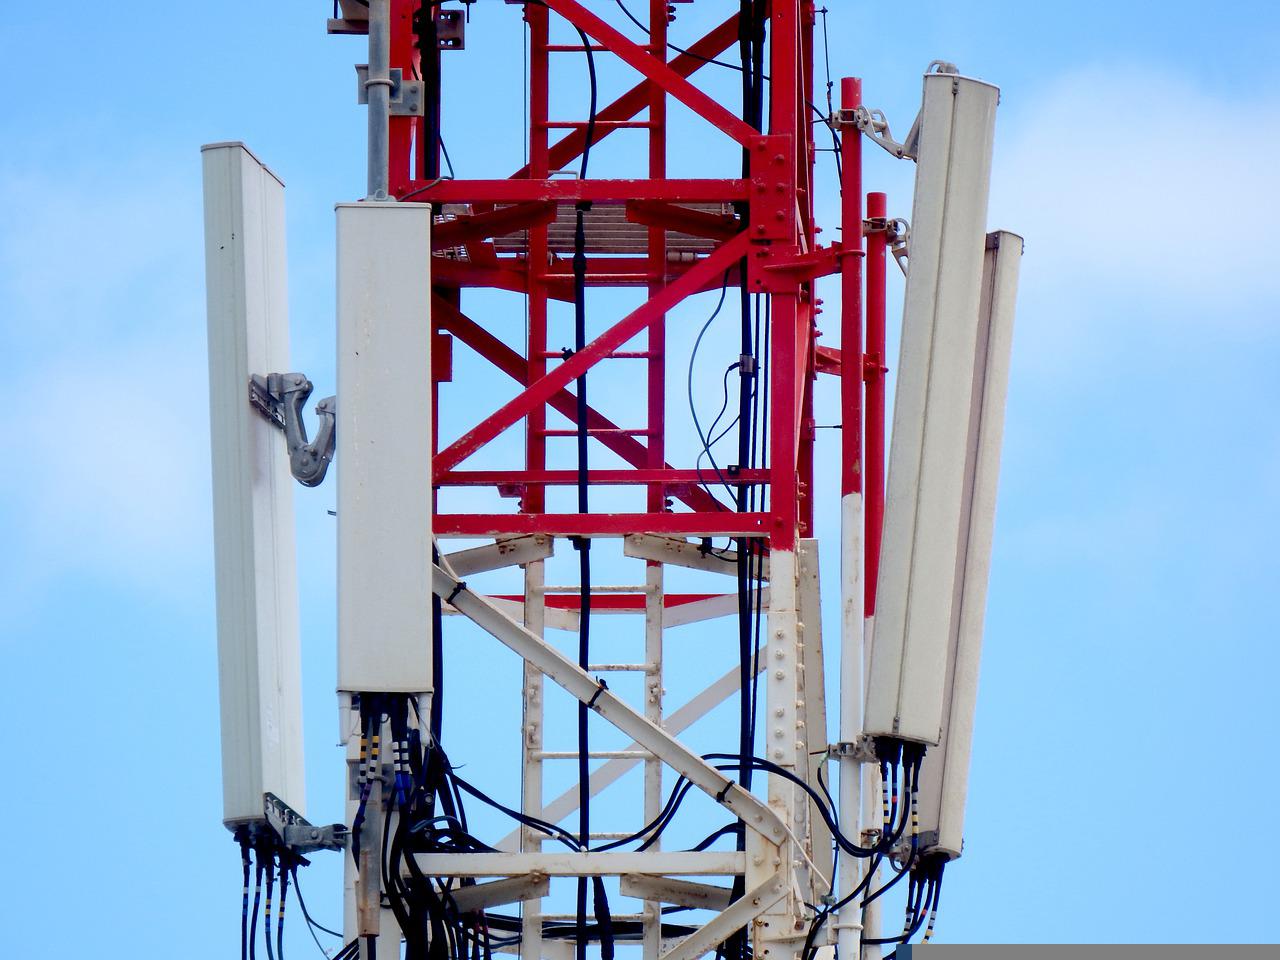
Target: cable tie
[[720, 797], [458, 588], [601, 688]]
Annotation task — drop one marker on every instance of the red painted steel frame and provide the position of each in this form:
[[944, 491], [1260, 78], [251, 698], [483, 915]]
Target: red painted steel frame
[[851, 366], [777, 243], [877, 210]]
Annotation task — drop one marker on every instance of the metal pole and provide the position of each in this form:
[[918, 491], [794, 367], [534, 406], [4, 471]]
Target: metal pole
[[378, 87], [877, 243], [873, 480], [848, 924]]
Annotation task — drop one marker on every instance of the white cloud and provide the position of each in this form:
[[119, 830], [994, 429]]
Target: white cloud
[[104, 390], [114, 254], [1140, 182], [109, 466]]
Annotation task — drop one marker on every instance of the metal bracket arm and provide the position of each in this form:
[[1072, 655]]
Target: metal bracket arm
[[296, 833], [862, 750], [280, 398], [875, 126], [898, 236]]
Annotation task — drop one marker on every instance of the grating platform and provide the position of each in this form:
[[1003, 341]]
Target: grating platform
[[608, 231]]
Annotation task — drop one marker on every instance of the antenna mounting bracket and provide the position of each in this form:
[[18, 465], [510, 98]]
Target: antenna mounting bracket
[[280, 398]]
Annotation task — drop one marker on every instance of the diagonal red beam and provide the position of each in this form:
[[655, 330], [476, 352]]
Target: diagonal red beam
[[672, 216], [657, 70], [449, 318], [492, 223], [827, 360], [541, 391], [636, 99]]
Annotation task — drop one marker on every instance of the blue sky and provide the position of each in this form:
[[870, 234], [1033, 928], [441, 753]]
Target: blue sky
[[1127, 723]]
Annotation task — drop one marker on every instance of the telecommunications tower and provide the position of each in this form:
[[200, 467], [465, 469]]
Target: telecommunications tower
[[447, 426]]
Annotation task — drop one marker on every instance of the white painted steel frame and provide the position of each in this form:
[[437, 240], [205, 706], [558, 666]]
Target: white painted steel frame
[[675, 723], [775, 866], [847, 925], [758, 816], [568, 864]]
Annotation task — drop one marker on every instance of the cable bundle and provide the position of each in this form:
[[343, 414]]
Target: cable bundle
[[900, 802], [263, 856]]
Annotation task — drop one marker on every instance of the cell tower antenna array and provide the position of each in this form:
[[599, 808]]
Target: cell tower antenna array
[[796, 872]]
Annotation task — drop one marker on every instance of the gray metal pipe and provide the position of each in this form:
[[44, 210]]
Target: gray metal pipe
[[378, 87]]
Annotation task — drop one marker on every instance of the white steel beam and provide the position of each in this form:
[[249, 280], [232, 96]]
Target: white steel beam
[[517, 889], [653, 691], [847, 925], [683, 893], [533, 615], [553, 618], [783, 744], [678, 552], [680, 863], [711, 608], [758, 816], [733, 918], [548, 949], [503, 553], [608, 773], [814, 732]]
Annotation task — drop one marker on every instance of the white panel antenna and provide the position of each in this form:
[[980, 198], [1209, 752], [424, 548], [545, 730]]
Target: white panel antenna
[[259, 665], [384, 448], [945, 776], [935, 379]]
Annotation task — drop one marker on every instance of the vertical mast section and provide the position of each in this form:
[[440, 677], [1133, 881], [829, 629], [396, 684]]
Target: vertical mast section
[[378, 89], [848, 924]]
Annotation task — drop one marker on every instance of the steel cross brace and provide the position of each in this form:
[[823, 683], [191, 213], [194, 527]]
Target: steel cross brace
[[568, 149], [748, 808], [763, 821], [491, 223], [545, 388], [658, 71], [733, 918], [451, 319], [675, 722]]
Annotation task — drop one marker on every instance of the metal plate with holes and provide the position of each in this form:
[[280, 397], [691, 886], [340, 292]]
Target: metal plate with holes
[[407, 96]]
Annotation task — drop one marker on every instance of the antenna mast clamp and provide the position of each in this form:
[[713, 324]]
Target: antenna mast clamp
[[297, 834], [862, 750], [280, 398], [408, 97], [875, 126]]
